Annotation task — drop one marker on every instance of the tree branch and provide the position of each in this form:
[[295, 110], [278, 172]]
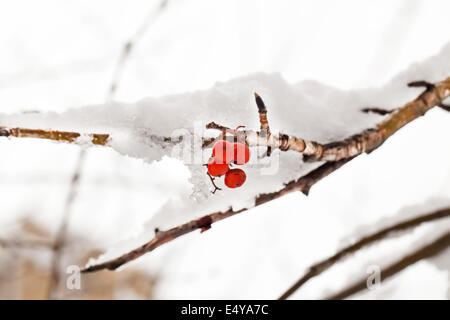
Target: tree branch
[[427, 251], [324, 265]]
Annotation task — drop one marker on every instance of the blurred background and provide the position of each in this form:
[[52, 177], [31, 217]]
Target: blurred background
[[56, 55]]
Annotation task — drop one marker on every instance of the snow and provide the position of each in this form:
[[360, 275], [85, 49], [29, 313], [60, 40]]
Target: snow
[[135, 185]]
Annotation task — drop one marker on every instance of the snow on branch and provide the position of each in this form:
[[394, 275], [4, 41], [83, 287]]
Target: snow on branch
[[337, 154], [204, 223], [366, 141]]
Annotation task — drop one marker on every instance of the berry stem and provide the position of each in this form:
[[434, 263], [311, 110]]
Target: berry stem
[[212, 181]]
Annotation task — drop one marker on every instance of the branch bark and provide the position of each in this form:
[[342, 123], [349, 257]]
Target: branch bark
[[324, 265], [427, 251]]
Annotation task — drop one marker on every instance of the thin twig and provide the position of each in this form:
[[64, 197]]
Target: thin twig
[[60, 240], [128, 47], [427, 251], [324, 265], [213, 183]]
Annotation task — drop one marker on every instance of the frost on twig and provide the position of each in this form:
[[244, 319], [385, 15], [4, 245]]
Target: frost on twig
[[324, 265]]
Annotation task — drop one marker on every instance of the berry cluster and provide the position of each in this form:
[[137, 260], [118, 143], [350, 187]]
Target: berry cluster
[[224, 154]]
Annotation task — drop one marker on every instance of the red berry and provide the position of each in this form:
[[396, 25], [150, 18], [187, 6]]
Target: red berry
[[223, 152], [241, 153], [217, 169], [235, 178]]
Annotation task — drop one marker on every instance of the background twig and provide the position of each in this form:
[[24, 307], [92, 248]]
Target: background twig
[[61, 235], [427, 251]]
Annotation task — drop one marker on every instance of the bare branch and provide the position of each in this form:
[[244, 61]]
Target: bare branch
[[161, 237], [324, 265], [25, 244], [427, 251]]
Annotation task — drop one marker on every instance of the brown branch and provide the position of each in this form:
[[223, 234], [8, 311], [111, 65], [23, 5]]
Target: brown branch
[[324, 265], [64, 136], [427, 251], [161, 237]]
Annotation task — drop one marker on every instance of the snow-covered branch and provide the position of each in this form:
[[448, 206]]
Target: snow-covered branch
[[324, 265], [204, 223]]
